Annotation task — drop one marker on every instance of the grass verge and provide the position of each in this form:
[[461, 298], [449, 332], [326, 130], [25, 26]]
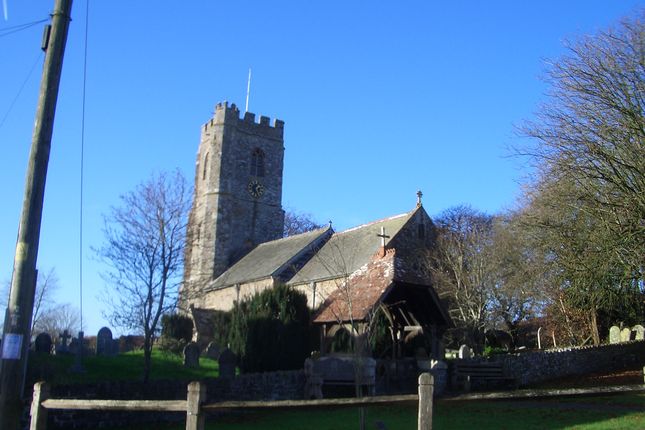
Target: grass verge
[[123, 367]]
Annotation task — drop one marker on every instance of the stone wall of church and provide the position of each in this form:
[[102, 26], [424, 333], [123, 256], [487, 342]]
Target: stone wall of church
[[224, 298], [317, 292]]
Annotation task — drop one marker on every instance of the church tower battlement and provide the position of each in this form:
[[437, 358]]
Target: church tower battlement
[[231, 115], [237, 200]]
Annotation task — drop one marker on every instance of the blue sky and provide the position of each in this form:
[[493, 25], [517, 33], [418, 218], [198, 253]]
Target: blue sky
[[380, 99]]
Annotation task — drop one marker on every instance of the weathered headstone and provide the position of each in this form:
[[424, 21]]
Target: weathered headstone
[[227, 362], [614, 334], [63, 346], [464, 351], [625, 334], [104, 342], [639, 332], [213, 351], [43, 343], [191, 355]]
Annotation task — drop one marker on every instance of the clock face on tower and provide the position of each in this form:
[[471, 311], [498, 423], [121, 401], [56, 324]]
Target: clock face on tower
[[255, 189]]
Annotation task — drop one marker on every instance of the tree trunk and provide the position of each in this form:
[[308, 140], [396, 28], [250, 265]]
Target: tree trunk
[[147, 355]]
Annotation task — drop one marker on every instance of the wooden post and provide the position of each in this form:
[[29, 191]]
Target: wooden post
[[194, 415], [426, 389], [39, 413], [17, 322]]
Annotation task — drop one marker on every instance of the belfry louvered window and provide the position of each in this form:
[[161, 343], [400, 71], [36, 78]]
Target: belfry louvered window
[[257, 162]]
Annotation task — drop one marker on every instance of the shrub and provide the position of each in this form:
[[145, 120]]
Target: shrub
[[177, 326], [270, 331], [221, 327]]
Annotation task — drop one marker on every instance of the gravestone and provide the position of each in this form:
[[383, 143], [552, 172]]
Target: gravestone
[[43, 343], [213, 351], [639, 332], [464, 351], [614, 334], [191, 355], [227, 362], [63, 346], [625, 334], [105, 342]]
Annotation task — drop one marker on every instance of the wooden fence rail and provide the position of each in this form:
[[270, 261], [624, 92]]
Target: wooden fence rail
[[195, 406]]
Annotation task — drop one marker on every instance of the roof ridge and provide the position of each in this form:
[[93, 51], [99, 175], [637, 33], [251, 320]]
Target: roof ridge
[[358, 227], [321, 229]]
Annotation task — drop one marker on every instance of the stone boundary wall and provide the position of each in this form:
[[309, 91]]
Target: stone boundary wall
[[283, 385], [537, 366]]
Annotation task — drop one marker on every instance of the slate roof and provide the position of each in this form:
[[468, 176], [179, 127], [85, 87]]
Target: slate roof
[[346, 251], [278, 258]]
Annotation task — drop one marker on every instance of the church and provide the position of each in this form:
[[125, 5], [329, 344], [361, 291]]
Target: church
[[235, 246]]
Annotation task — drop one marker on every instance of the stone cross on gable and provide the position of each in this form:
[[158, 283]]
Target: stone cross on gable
[[383, 236], [419, 195]]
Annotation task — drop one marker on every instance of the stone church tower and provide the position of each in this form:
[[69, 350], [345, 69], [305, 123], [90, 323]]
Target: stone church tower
[[238, 193]]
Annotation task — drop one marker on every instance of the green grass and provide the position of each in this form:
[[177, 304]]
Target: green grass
[[614, 412], [580, 413], [123, 367]]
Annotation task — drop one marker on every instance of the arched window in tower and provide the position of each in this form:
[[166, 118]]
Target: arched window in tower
[[257, 162], [205, 167]]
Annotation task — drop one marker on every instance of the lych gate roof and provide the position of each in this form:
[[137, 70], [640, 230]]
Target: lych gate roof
[[271, 258], [378, 283], [364, 290], [347, 251]]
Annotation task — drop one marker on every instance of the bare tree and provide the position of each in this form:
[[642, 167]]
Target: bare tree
[[58, 318], [144, 249], [298, 222], [590, 135], [463, 270], [44, 305], [339, 299], [586, 203], [45, 286], [518, 273]]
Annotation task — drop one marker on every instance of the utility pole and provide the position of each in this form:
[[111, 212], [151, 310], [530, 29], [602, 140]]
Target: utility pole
[[17, 324]]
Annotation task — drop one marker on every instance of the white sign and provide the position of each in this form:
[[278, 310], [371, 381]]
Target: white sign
[[11, 346]]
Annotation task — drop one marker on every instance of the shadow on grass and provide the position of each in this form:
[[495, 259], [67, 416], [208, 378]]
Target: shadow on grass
[[585, 413]]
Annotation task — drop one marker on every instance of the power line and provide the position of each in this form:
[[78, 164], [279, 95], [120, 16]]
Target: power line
[[16, 28], [87, 15], [22, 87]]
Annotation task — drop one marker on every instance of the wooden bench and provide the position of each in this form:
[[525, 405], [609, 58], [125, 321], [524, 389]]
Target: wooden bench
[[465, 374], [338, 371]]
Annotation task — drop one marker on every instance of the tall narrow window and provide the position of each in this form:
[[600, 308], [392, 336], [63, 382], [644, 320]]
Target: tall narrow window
[[205, 168], [257, 162]]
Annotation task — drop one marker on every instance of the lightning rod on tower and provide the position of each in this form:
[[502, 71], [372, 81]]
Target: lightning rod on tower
[[248, 91]]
